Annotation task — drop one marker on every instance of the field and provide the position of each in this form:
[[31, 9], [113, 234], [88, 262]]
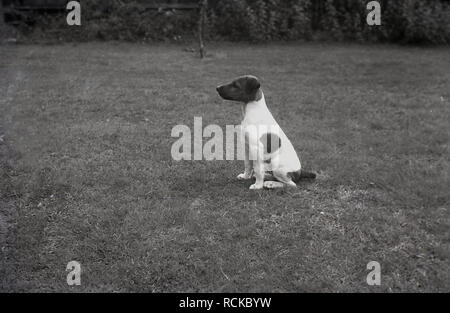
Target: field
[[87, 175]]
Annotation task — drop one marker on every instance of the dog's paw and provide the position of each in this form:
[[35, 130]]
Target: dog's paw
[[273, 185], [244, 176], [256, 187], [291, 184]]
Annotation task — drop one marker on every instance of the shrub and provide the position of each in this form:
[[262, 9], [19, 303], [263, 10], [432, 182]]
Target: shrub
[[405, 21]]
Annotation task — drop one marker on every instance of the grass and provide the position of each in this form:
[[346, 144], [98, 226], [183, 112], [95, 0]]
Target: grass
[[86, 172]]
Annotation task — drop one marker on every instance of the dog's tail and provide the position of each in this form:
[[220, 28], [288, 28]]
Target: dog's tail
[[301, 174], [307, 175]]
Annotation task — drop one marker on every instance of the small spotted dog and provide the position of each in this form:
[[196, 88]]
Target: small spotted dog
[[267, 148]]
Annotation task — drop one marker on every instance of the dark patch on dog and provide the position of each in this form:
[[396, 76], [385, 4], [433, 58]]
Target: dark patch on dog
[[243, 89], [298, 175], [271, 142]]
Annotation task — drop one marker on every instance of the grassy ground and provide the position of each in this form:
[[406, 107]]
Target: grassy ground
[[86, 172]]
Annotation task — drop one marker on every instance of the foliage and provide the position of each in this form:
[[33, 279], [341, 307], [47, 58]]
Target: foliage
[[403, 21]]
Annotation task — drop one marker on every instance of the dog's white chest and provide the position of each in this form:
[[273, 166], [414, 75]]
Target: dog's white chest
[[257, 122]]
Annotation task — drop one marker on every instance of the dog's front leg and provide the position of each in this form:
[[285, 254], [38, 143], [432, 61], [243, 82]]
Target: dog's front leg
[[248, 173], [258, 167], [256, 153]]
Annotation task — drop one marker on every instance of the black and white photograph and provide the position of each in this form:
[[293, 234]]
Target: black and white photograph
[[236, 147]]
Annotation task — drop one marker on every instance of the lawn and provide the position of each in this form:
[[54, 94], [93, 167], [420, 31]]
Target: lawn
[[87, 175]]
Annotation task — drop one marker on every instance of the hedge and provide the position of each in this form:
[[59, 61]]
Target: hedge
[[403, 21]]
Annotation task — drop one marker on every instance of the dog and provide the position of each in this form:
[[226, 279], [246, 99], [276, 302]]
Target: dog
[[269, 153]]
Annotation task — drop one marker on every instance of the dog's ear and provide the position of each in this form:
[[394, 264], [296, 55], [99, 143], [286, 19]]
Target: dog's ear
[[252, 84]]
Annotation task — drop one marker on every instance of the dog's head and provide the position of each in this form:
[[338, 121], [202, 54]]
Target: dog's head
[[243, 89]]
